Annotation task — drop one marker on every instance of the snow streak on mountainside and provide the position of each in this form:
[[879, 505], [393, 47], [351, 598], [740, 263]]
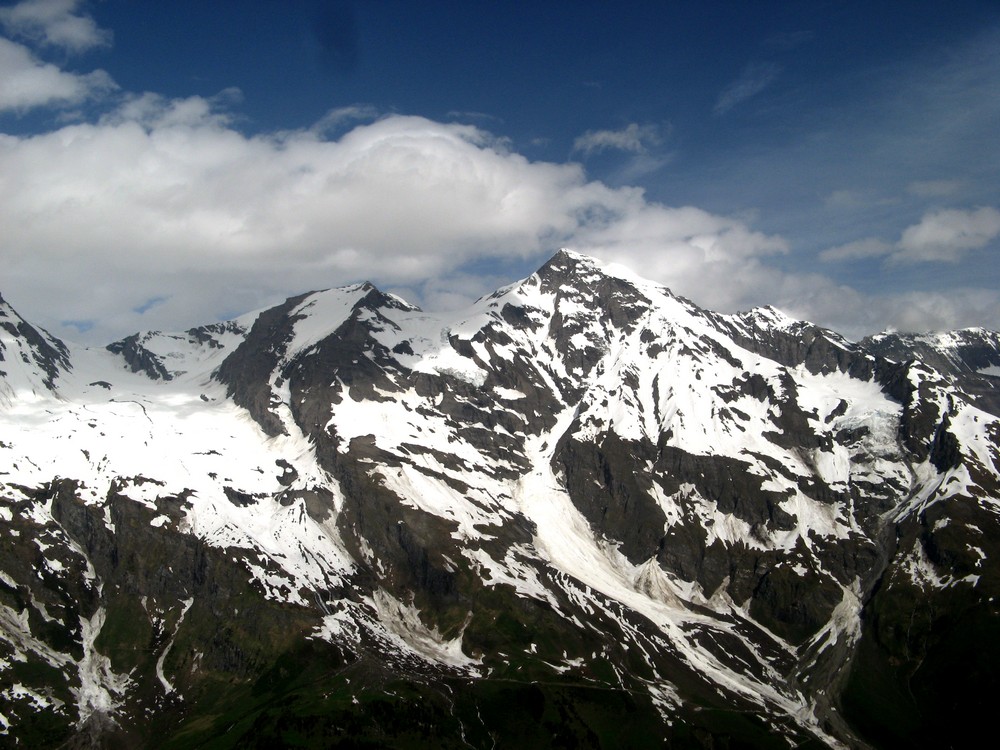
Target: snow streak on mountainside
[[582, 499]]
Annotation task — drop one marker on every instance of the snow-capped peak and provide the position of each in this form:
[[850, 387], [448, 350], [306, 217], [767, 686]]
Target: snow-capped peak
[[582, 491]]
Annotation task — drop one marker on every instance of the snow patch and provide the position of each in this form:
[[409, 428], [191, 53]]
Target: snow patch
[[168, 688], [101, 689], [403, 621]]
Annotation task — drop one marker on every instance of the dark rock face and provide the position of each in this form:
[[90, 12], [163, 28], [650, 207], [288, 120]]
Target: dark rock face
[[957, 352], [134, 580], [584, 513], [247, 371], [138, 358], [797, 343]]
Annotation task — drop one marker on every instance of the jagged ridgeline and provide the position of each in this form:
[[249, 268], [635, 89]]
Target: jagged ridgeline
[[581, 513]]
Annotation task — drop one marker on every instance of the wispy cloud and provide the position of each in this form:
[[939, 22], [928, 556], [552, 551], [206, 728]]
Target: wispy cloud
[[634, 138], [788, 40], [755, 78], [940, 236], [866, 248], [638, 167], [933, 188], [340, 117], [472, 116], [56, 23], [844, 198]]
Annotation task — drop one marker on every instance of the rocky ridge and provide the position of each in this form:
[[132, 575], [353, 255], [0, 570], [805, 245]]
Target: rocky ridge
[[582, 501]]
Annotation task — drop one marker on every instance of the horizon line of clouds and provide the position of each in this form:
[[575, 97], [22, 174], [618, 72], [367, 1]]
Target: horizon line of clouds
[[165, 199], [181, 205]]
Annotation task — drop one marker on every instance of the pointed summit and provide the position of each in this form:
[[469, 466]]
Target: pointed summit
[[571, 268], [568, 263]]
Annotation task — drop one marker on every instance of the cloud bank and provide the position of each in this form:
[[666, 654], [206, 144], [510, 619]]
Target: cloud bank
[[165, 199], [161, 213]]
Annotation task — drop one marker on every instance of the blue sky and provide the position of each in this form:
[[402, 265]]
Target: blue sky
[[167, 164]]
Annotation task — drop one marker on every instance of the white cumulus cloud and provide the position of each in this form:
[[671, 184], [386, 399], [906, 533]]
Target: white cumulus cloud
[[163, 215], [947, 235], [26, 82]]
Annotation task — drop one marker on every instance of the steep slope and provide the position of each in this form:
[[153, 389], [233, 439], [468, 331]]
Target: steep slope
[[581, 503], [970, 356], [30, 359]]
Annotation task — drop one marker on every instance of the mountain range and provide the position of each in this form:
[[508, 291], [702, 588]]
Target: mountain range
[[583, 512]]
